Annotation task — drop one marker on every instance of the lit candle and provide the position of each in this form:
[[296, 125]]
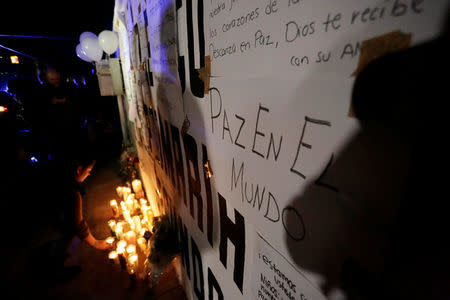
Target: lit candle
[[125, 192], [150, 228], [110, 240], [121, 244], [151, 215], [123, 206], [144, 209], [112, 225], [130, 203], [114, 207], [132, 263], [142, 242], [144, 222], [121, 252], [131, 249], [113, 257], [119, 191], [137, 187], [119, 230], [136, 204], [143, 202], [126, 215], [137, 223], [130, 237]]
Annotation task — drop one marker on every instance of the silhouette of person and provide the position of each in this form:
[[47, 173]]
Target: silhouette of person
[[63, 210], [57, 117]]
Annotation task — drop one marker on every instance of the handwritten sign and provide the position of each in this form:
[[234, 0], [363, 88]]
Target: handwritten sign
[[276, 278], [259, 91]]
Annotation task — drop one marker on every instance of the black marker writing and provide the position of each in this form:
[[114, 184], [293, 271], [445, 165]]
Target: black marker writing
[[305, 145]]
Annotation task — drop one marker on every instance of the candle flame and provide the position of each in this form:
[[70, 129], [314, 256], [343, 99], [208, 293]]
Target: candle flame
[[131, 249], [121, 244], [133, 258]]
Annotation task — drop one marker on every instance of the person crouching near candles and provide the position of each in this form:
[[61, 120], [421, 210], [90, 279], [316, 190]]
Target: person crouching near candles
[[82, 171], [60, 263]]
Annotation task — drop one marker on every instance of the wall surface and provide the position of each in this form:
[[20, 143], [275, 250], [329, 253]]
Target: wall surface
[[242, 119]]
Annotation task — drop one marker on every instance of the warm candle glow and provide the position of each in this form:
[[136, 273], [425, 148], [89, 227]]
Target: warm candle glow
[[133, 258], [143, 202], [129, 204], [133, 231], [137, 223], [119, 191], [112, 255], [121, 244], [122, 205], [147, 213], [145, 222], [114, 207], [119, 230], [130, 236], [131, 249], [126, 215], [132, 263], [137, 186], [142, 232], [112, 225], [144, 209], [125, 192], [120, 250], [142, 242]]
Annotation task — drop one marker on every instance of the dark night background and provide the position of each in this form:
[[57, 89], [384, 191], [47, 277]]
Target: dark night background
[[43, 34], [64, 19], [52, 30]]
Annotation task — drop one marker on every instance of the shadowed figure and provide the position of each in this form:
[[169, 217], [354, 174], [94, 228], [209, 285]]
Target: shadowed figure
[[377, 217]]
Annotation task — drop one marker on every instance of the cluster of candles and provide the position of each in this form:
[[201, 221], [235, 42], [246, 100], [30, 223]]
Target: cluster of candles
[[131, 226]]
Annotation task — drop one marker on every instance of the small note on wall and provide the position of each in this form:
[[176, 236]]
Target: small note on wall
[[276, 278]]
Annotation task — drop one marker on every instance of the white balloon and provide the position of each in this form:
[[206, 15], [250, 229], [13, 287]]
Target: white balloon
[[87, 34], [108, 41], [92, 48], [81, 54]]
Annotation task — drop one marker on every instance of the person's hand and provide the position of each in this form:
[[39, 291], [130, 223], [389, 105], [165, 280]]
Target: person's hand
[[102, 245]]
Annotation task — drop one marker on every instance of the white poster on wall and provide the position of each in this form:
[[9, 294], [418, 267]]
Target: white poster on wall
[[274, 277], [288, 160]]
